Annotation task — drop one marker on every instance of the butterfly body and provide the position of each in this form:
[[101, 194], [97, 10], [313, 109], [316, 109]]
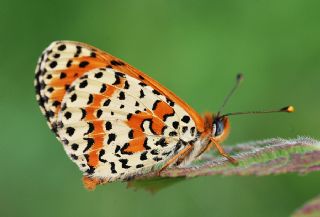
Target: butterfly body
[[114, 121]]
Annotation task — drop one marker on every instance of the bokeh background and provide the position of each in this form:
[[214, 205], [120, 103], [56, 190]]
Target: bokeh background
[[195, 48]]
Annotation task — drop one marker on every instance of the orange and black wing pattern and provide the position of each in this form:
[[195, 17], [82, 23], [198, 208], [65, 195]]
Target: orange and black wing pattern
[[113, 120]]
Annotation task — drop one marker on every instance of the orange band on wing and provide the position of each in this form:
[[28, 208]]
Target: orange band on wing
[[136, 145], [135, 123], [93, 155], [74, 71], [162, 110]]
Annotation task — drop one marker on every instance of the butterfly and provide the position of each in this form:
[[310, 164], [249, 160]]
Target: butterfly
[[114, 121]]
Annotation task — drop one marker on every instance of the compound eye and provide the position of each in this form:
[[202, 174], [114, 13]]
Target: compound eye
[[214, 129], [218, 127]]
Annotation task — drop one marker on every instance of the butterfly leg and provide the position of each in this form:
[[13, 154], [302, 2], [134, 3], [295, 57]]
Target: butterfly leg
[[205, 149], [182, 154], [90, 183], [223, 153]]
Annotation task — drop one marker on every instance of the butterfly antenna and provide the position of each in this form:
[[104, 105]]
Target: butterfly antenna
[[239, 78], [288, 109]]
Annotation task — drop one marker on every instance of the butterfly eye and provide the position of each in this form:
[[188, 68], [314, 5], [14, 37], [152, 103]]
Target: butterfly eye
[[217, 127], [214, 128]]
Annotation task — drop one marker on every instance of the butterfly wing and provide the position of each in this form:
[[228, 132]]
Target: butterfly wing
[[114, 120]]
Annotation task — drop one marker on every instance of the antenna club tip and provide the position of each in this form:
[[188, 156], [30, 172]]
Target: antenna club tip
[[239, 77], [289, 109]]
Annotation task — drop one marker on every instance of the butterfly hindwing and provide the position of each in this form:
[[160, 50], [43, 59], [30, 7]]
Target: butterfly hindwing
[[127, 131]]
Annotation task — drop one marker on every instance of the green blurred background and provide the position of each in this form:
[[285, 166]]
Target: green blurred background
[[194, 48]]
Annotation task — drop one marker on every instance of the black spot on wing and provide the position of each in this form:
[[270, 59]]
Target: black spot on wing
[[70, 131], [107, 102], [90, 100], [126, 85], [93, 55], [141, 94], [63, 75], [139, 166], [170, 102], [175, 124], [62, 47], [141, 77], [163, 129], [53, 64], [130, 134], [142, 84], [90, 129], [74, 146], [156, 92], [185, 119], [117, 63], [113, 167], [103, 88], [83, 64], [129, 115], [157, 159], [69, 63], [120, 74], [90, 170], [111, 138], [67, 115], [101, 153], [161, 142], [145, 144], [84, 113], [143, 156], [154, 152], [184, 129], [108, 125], [149, 120], [56, 55], [78, 52], [49, 114], [99, 113], [124, 163], [90, 142], [155, 104], [74, 157], [192, 131], [118, 80], [122, 95], [83, 84], [123, 149], [98, 75], [56, 103], [173, 133]]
